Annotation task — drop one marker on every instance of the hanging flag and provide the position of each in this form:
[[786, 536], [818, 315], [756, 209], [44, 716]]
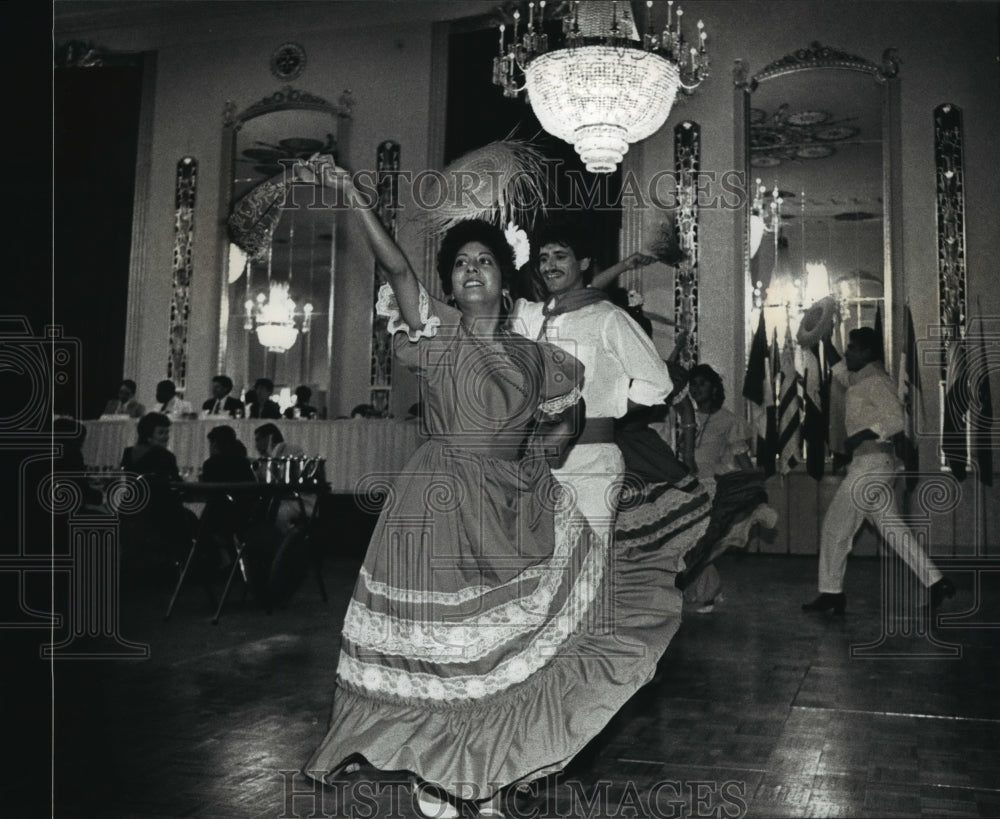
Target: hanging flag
[[753, 380], [788, 409], [758, 389], [954, 431], [981, 408], [813, 424], [909, 393]]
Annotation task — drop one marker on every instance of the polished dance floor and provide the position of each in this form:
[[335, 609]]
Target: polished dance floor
[[758, 710]]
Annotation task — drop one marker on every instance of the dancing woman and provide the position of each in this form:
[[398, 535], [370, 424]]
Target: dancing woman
[[476, 646]]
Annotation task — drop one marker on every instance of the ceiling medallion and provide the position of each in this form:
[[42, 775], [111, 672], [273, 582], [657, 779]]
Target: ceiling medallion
[[288, 61]]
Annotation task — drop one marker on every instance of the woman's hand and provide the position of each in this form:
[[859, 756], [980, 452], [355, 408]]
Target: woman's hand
[[323, 169]]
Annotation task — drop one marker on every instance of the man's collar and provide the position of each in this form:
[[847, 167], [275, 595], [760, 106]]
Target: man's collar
[[870, 369]]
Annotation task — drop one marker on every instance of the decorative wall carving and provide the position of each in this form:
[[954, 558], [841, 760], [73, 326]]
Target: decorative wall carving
[[183, 270], [687, 163], [950, 195], [387, 208]]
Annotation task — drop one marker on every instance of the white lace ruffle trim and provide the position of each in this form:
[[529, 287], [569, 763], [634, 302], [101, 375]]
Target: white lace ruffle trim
[[380, 680], [388, 307], [471, 638], [554, 406]]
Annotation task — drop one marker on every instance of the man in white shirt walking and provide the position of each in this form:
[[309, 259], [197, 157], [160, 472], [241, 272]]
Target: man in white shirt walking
[[874, 416]]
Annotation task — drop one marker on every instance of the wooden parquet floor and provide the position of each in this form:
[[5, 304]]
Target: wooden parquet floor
[[758, 710]]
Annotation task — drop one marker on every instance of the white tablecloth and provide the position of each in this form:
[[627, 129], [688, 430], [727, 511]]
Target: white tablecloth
[[354, 449]]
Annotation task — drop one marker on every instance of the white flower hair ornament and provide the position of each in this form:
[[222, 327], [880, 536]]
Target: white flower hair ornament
[[635, 298], [518, 241]]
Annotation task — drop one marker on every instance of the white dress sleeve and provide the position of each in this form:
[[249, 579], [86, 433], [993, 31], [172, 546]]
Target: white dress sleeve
[[387, 307]]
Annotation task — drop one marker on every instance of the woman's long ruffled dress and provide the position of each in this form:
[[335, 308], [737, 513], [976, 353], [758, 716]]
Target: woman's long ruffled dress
[[490, 635]]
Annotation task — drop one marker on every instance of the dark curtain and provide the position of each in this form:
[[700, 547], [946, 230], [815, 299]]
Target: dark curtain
[[95, 134]]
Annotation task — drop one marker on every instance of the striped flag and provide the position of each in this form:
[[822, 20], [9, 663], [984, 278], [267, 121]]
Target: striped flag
[[788, 409]]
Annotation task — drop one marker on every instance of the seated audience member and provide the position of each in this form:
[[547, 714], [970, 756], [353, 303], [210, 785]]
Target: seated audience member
[[149, 455], [221, 402], [163, 529], [171, 404], [126, 403], [724, 466], [365, 411], [228, 514], [301, 407], [70, 434], [262, 406], [270, 443], [227, 458]]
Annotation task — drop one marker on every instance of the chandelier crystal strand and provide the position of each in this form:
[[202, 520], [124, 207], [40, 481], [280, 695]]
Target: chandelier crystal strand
[[606, 87]]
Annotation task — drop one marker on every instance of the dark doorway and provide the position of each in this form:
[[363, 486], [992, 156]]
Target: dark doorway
[[95, 137], [478, 113]]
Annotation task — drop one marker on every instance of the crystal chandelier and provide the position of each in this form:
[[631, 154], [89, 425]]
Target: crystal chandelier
[[274, 315], [605, 87]]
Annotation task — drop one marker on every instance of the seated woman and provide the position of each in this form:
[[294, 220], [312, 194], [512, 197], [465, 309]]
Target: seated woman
[[724, 467], [163, 529]]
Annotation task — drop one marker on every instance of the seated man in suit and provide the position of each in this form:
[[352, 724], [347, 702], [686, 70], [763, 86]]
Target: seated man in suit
[[126, 404], [221, 402], [171, 404], [262, 406]]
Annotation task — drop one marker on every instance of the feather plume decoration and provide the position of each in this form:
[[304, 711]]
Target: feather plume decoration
[[665, 245], [502, 182]]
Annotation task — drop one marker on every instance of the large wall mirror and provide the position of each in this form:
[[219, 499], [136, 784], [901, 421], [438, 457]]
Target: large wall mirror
[[278, 298], [818, 136]]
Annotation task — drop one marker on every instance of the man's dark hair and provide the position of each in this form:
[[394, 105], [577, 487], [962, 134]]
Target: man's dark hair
[[222, 435], [166, 386], [269, 429], [474, 230], [128, 382], [266, 383], [867, 339], [714, 379], [149, 422], [567, 233], [225, 380], [303, 393]]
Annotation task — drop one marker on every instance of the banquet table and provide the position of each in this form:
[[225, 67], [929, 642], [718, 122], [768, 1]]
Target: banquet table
[[360, 452]]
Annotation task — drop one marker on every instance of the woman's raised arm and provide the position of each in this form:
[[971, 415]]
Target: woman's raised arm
[[322, 170]]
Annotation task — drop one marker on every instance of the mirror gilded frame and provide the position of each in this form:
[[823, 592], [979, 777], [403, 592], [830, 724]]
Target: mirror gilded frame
[[299, 251], [759, 150]]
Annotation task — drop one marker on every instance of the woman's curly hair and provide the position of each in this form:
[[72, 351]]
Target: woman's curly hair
[[714, 380], [474, 230]]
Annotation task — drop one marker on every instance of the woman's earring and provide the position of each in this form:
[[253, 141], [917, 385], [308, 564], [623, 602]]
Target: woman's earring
[[508, 302], [450, 301]]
